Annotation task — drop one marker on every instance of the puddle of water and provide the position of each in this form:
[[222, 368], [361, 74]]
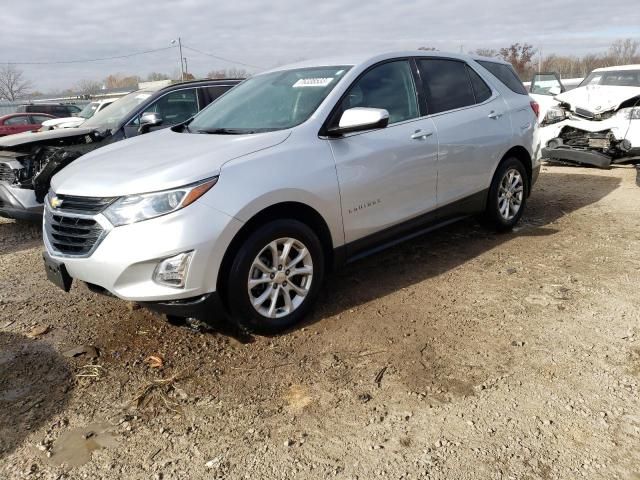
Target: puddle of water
[[74, 447]]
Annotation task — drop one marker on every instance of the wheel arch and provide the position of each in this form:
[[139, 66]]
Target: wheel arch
[[523, 155], [283, 210]]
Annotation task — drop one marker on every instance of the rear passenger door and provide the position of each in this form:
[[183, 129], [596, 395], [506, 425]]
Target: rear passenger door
[[471, 124]]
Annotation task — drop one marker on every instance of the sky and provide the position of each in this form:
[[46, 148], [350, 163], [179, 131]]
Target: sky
[[266, 34]]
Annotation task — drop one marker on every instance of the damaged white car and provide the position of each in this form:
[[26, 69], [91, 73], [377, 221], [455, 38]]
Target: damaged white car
[[597, 123]]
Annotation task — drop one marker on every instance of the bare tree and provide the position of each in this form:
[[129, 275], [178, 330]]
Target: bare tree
[[486, 52], [12, 84], [155, 76], [519, 55], [228, 73], [120, 81], [623, 52], [89, 87]]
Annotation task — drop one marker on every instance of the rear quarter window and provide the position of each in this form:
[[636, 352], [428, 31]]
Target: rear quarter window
[[506, 75]]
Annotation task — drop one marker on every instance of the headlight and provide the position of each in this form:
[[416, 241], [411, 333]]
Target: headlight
[[135, 208], [630, 113], [554, 115]]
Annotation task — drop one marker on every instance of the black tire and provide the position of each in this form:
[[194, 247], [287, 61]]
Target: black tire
[[242, 311], [492, 215]]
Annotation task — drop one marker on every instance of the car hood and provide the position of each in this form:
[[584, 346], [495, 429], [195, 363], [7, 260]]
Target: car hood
[[598, 98], [65, 122], [21, 139], [157, 161]]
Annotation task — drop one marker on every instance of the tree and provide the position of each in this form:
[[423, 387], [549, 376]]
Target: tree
[[12, 84], [519, 56], [486, 52], [120, 81], [624, 52], [228, 73], [88, 87], [155, 76]]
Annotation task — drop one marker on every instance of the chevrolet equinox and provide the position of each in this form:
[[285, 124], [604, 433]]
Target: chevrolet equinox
[[242, 209]]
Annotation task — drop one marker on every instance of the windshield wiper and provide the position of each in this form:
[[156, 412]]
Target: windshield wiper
[[225, 131]]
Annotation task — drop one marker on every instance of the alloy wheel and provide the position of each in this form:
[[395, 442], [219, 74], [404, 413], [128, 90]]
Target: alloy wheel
[[510, 194], [280, 277]]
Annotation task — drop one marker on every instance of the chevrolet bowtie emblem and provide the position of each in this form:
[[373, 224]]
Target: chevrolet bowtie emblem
[[55, 202]]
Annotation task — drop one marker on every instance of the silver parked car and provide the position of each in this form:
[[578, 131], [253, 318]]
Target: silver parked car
[[244, 208]]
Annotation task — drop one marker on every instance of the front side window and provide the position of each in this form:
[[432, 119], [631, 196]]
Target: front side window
[[176, 107], [22, 120], [389, 86], [446, 84], [268, 102]]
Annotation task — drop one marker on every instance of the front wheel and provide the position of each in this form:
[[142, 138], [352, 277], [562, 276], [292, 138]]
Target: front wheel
[[275, 276], [507, 195]]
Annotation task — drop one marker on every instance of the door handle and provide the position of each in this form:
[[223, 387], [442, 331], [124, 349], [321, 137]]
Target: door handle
[[494, 115], [420, 134]]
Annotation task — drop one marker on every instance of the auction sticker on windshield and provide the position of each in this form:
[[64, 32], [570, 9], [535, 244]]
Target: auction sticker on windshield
[[312, 82]]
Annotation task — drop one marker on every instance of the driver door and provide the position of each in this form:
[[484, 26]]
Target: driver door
[[388, 175]]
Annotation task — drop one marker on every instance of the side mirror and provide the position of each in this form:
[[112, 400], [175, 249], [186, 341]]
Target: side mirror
[[359, 119], [148, 120]]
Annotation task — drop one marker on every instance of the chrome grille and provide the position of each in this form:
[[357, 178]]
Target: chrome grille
[[71, 235], [6, 173], [88, 205]]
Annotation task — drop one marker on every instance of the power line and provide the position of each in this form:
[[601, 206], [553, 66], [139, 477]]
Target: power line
[[220, 58], [90, 59]]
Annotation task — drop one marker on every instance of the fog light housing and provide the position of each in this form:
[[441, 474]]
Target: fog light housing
[[173, 271]]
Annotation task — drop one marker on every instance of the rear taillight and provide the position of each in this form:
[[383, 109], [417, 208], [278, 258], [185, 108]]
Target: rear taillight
[[535, 107]]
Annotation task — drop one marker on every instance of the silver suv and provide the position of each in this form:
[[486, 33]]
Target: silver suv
[[244, 208]]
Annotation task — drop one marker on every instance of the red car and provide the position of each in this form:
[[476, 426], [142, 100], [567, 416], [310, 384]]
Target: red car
[[22, 122]]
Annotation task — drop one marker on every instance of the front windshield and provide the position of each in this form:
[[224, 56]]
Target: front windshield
[[272, 101], [110, 118], [89, 110], [617, 78]]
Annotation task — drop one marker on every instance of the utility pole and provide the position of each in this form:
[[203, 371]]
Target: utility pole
[[186, 68], [181, 64], [179, 42]]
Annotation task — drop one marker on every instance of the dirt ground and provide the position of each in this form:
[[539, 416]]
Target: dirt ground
[[460, 355]]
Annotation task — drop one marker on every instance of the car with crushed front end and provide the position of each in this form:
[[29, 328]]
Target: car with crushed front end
[[29, 160], [597, 123], [239, 212]]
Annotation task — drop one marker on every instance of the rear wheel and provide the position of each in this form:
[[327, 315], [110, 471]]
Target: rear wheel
[[275, 276], [507, 195]]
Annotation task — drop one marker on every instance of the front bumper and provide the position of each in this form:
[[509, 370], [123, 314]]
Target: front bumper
[[568, 154], [124, 260], [19, 203]]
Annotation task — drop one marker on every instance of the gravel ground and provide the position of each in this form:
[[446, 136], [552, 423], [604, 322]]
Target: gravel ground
[[463, 354]]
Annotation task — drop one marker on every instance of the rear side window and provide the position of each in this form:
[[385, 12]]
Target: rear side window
[[480, 89], [446, 84], [506, 75], [37, 119]]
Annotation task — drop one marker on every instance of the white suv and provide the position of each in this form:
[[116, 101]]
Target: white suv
[[244, 208]]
